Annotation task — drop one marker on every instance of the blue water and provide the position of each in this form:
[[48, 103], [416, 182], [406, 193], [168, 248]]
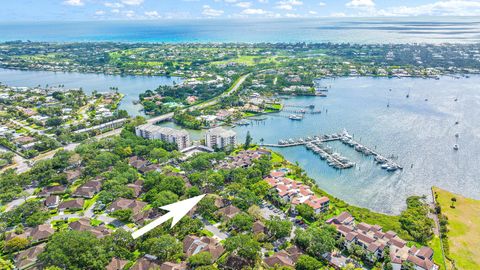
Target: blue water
[[419, 132], [130, 86], [356, 30]]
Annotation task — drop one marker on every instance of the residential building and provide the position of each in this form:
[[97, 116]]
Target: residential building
[[28, 258], [193, 245], [179, 137], [72, 205], [220, 138], [116, 264], [373, 240]]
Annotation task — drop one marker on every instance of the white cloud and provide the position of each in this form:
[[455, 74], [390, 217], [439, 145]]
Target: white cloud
[[338, 14], [129, 13], [292, 15], [115, 10], [132, 2], [113, 5], [211, 12], [288, 4], [439, 8], [361, 4], [99, 12], [244, 4], [76, 3], [254, 11], [263, 1], [152, 14], [322, 4], [312, 12]]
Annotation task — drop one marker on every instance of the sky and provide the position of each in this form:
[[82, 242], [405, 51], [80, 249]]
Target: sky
[[92, 10]]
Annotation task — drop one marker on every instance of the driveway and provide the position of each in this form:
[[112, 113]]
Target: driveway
[[217, 233]]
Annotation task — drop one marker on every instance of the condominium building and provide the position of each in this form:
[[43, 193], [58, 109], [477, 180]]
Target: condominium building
[[220, 138], [179, 137]]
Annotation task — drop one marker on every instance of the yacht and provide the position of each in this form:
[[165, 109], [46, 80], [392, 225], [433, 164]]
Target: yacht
[[455, 147], [295, 117]]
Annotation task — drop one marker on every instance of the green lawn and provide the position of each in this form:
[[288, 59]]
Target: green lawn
[[437, 252], [463, 228]]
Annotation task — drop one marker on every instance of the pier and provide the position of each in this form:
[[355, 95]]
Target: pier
[[335, 160]]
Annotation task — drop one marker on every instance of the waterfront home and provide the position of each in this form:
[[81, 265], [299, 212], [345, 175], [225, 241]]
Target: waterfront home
[[179, 137], [373, 240], [296, 192], [220, 138]]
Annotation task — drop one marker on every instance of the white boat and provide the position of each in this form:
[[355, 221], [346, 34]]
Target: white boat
[[295, 117], [455, 147]]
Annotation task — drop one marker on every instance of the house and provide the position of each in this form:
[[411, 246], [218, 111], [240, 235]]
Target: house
[[228, 212], [191, 99], [83, 224], [52, 201], [373, 240], [258, 227], [296, 192], [88, 190], [73, 175], [137, 187], [137, 162], [145, 263], [344, 218], [28, 258], [173, 266], [139, 216], [193, 245], [39, 233], [116, 264], [52, 190], [72, 205], [150, 168], [284, 258], [121, 203]]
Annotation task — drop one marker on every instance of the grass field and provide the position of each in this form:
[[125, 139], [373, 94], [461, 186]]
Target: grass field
[[464, 228]]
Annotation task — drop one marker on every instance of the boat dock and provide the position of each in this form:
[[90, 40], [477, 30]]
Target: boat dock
[[302, 111], [335, 160]]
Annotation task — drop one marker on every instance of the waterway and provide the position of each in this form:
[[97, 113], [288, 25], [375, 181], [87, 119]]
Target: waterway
[[421, 133], [130, 86]]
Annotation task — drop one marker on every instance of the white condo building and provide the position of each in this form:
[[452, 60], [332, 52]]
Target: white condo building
[[179, 137], [220, 138]]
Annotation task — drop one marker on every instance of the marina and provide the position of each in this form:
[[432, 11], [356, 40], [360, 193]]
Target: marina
[[335, 160]]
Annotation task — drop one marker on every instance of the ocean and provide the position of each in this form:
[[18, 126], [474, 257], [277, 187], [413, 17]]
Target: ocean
[[354, 30]]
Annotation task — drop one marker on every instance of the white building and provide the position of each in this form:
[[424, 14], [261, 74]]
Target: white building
[[179, 137], [220, 138]]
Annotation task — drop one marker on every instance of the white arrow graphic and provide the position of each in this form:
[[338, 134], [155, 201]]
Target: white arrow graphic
[[175, 210]]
